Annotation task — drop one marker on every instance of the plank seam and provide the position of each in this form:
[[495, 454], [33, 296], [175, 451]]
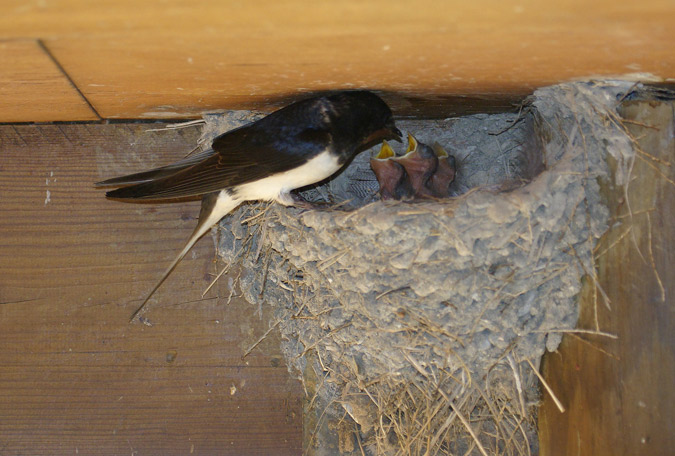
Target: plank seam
[[67, 76]]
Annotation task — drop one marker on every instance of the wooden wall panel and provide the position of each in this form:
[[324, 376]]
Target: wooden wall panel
[[75, 376]]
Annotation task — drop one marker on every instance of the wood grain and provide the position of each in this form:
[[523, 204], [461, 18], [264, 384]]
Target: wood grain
[[33, 88], [432, 58], [75, 376], [619, 393]]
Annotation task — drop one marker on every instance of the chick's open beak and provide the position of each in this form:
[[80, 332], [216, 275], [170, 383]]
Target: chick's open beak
[[385, 151], [412, 144]]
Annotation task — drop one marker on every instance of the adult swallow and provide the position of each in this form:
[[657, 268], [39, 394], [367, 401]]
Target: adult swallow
[[420, 162], [296, 146], [391, 175]]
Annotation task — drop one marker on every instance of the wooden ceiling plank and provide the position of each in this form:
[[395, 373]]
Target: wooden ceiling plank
[[34, 89], [173, 59]]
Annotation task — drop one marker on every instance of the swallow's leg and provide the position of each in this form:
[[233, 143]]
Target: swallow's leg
[[295, 200]]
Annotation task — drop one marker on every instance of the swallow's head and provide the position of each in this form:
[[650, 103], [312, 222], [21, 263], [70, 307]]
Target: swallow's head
[[362, 118]]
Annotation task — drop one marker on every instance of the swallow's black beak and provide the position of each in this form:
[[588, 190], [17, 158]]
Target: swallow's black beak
[[394, 133]]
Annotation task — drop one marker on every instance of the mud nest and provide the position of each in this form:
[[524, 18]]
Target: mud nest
[[416, 327]]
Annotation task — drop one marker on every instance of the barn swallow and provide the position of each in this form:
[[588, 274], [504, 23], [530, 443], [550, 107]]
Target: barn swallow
[[296, 146], [420, 162], [391, 175], [445, 173]]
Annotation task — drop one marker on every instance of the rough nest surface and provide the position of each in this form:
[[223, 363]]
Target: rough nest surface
[[417, 326]]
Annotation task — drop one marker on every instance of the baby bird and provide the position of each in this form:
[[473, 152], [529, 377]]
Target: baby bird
[[445, 173], [420, 162], [391, 175], [422, 172]]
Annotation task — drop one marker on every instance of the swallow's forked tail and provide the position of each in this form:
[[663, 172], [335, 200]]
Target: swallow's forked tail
[[214, 207]]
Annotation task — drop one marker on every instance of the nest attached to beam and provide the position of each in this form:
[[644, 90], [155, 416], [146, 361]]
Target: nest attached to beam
[[417, 326]]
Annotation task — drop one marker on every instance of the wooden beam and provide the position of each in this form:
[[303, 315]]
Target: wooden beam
[[619, 393], [34, 89], [432, 58]]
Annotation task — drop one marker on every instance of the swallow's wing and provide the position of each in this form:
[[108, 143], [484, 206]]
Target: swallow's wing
[[240, 156], [156, 173]]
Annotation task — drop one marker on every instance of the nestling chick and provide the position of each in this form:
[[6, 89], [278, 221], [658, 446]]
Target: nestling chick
[[420, 162], [445, 173], [423, 172], [392, 177]]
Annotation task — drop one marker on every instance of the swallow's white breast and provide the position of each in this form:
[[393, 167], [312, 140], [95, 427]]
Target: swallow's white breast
[[270, 188]]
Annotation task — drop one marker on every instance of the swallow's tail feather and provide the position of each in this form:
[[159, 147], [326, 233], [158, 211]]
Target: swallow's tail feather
[[141, 190], [214, 207]]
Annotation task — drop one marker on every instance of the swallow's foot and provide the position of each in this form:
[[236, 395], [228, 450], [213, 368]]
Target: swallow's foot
[[302, 203], [295, 200]]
